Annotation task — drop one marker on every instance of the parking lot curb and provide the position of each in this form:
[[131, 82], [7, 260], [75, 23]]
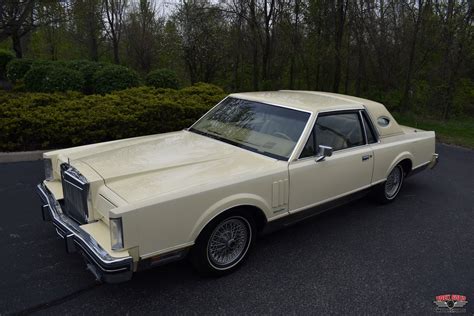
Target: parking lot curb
[[21, 156]]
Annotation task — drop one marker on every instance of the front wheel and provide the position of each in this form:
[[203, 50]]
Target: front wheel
[[388, 191], [223, 244]]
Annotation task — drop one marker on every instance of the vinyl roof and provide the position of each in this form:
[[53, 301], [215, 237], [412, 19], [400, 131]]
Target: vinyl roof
[[305, 100], [315, 101]]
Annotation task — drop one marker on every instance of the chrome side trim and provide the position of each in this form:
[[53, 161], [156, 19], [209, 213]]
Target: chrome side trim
[[111, 269], [314, 210], [295, 211]]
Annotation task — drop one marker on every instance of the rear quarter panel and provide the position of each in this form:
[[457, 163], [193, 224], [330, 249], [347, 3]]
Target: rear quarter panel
[[417, 146]]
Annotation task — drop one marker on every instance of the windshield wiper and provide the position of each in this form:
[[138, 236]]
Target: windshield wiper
[[211, 135], [214, 132], [247, 142]]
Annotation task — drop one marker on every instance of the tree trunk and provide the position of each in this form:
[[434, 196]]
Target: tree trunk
[[447, 70], [405, 101], [255, 40], [116, 51], [346, 79], [93, 47], [340, 17], [255, 68], [449, 95], [292, 72], [296, 45], [360, 67], [265, 55], [17, 47], [318, 70]]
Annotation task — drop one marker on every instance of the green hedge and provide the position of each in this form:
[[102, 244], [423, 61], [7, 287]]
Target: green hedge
[[87, 76], [114, 78], [31, 121], [17, 68], [88, 69], [162, 78], [51, 78], [5, 57]]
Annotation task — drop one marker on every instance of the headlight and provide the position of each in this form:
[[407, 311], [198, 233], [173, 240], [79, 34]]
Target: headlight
[[48, 169], [116, 233]]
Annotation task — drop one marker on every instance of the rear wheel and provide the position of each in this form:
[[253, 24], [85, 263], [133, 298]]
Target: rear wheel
[[388, 191], [223, 245]]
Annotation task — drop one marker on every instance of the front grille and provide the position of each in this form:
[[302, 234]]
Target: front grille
[[75, 191]]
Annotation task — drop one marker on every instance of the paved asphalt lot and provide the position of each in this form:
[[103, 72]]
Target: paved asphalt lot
[[361, 258]]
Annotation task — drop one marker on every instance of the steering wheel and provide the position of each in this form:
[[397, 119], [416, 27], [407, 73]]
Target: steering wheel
[[283, 135]]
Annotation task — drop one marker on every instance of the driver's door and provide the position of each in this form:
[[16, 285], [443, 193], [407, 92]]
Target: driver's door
[[348, 170]]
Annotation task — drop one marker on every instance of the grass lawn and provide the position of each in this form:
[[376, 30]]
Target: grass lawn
[[457, 131]]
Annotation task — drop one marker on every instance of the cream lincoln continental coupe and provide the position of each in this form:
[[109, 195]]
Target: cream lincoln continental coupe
[[255, 162]]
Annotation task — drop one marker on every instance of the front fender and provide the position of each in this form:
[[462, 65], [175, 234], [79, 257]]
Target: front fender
[[241, 199]]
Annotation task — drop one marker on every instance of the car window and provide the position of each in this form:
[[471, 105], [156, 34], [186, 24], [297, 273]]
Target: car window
[[310, 147], [339, 131], [267, 129], [370, 131]]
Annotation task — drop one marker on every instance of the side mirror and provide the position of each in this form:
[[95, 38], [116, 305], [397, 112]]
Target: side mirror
[[323, 152]]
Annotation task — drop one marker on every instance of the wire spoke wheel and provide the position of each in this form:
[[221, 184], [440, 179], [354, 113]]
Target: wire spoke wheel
[[394, 182], [228, 242]]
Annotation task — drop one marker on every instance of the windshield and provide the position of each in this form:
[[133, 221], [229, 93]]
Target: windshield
[[267, 129]]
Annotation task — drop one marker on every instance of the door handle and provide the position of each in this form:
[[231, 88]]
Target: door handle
[[366, 157]]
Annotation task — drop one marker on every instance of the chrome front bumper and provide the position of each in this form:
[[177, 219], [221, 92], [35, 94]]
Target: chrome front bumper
[[105, 267]]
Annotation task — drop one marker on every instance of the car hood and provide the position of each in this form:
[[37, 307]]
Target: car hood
[[142, 168]]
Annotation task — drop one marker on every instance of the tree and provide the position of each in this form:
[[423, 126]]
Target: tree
[[52, 17], [416, 9], [171, 50], [201, 26], [114, 11], [412, 55], [456, 30], [87, 26], [142, 34], [17, 19], [340, 19]]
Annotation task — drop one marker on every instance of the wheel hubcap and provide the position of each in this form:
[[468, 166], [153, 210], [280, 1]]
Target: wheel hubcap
[[394, 180], [228, 242]]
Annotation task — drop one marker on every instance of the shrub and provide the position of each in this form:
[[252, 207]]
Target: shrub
[[51, 78], [88, 69], [17, 68], [31, 121], [113, 78], [162, 78], [5, 57], [464, 97], [202, 88], [34, 78], [42, 62]]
